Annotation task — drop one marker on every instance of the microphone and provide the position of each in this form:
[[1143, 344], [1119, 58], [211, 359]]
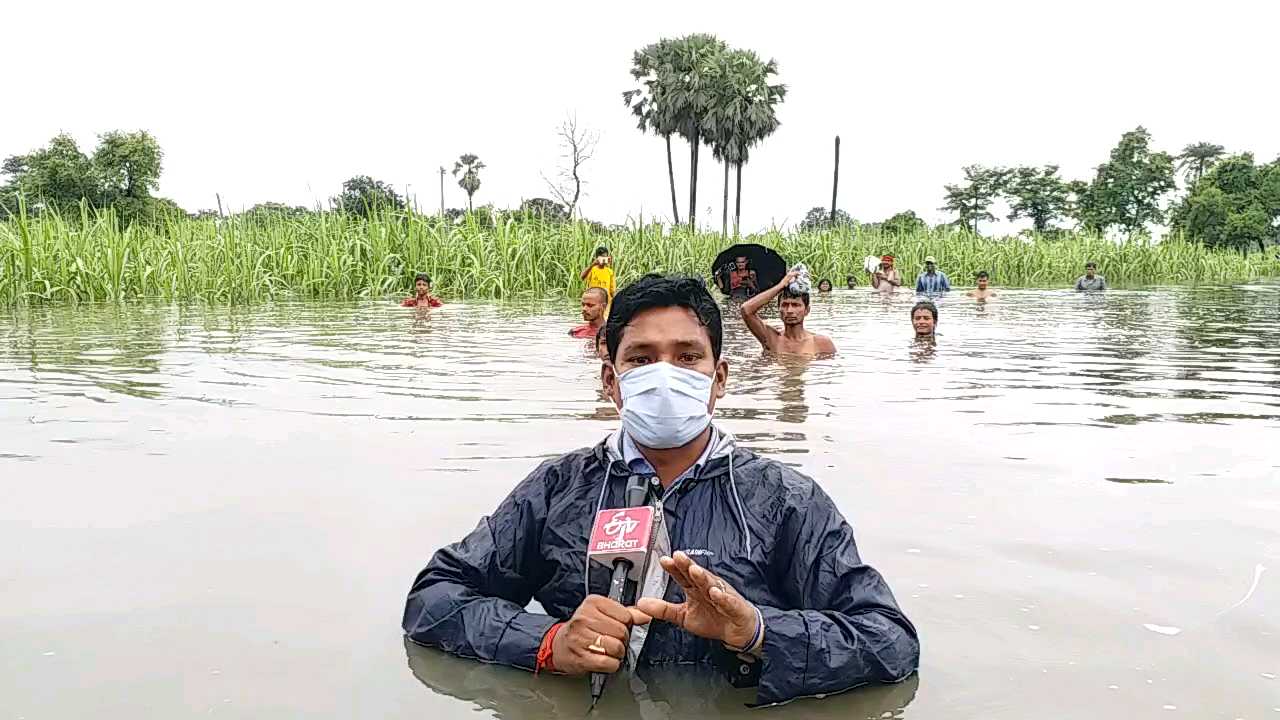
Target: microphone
[[620, 540]]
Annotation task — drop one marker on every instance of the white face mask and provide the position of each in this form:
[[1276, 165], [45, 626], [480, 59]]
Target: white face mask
[[664, 406]]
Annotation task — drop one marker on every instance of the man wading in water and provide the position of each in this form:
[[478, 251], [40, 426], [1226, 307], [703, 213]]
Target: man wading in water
[[595, 301], [754, 571], [793, 339]]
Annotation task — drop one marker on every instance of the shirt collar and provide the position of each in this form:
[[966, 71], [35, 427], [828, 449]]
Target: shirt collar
[[637, 463]]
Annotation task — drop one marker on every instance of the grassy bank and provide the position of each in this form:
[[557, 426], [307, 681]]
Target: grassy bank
[[252, 259]]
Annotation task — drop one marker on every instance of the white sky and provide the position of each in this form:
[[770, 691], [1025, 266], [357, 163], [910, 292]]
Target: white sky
[[283, 101]]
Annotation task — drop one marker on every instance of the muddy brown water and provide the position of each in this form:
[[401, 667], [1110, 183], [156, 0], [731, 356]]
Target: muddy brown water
[[214, 512]]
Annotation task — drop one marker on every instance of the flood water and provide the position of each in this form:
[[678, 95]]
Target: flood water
[[217, 512]]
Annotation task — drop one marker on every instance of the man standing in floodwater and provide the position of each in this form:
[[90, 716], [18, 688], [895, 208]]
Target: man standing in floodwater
[[740, 282], [932, 281], [924, 319], [983, 291], [595, 301], [887, 278], [755, 571], [1091, 281], [793, 339], [422, 293]]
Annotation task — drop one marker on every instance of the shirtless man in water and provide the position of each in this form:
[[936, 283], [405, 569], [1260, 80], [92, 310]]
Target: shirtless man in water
[[983, 291], [793, 339]]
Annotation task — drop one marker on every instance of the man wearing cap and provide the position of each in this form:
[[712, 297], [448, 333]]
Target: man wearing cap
[[1091, 281], [932, 281], [886, 279]]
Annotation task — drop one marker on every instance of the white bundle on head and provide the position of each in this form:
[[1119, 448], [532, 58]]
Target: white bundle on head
[[801, 284], [871, 263]]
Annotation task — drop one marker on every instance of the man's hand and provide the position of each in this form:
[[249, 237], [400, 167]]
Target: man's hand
[[712, 609], [786, 279], [598, 621]]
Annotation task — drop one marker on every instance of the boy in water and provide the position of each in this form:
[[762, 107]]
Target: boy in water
[[924, 319], [599, 274], [422, 293]]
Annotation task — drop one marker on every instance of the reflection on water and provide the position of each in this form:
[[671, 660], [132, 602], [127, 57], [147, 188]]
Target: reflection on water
[[662, 693], [220, 509]]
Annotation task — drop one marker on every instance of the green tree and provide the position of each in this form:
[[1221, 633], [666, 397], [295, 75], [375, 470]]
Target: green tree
[[905, 223], [58, 177], [128, 165], [1235, 204], [972, 201], [820, 217], [545, 208], [1196, 158], [363, 196], [651, 66], [676, 83], [470, 166], [1038, 194], [1127, 189], [743, 112]]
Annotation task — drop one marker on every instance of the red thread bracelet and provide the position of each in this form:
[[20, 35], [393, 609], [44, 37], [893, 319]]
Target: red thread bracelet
[[544, 661]]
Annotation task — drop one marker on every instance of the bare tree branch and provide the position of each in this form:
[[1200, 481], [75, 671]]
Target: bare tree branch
[[577, 145]]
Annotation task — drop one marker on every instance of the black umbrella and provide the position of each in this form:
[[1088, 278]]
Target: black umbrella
[[769, 266]]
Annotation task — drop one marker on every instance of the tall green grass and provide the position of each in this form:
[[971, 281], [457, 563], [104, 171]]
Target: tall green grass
[[245, 259]]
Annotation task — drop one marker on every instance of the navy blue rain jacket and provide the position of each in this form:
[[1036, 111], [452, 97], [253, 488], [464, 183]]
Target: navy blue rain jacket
[[831, 622]]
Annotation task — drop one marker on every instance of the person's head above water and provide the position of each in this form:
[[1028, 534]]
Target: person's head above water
[[930, 264], [422, 283], [664, 337], [886, 263], [663, 292], [1090, 269], [793, 308], [824, 286], [594, 302], [983, 280], [924, 318], [602, 347], [850, 281]]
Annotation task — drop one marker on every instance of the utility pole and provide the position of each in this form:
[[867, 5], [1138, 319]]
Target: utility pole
[[835, 182], [442, 192]]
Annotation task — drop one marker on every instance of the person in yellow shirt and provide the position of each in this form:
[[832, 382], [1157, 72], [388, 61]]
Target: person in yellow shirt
[[598, 274]]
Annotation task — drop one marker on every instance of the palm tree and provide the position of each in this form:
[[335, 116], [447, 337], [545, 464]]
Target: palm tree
[[743, 114], [470, 180], [675, 95], [1196, 159], [644, 104]]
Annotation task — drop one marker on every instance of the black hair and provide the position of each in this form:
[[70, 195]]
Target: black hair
[[925, 305], [423, 277], [983, 274], [602, 250], [1091, 264], [786, 293], [604, 294], [661, 291]]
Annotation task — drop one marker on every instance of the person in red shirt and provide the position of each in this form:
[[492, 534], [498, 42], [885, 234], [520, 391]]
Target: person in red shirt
[[422, 298], [595, 301]]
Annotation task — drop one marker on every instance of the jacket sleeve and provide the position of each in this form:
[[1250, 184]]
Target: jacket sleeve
[[946, 281], [470, 599], [847, 629], [920, 284]]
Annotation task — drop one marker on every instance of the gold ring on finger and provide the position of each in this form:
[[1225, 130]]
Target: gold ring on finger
[[598, 646]]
